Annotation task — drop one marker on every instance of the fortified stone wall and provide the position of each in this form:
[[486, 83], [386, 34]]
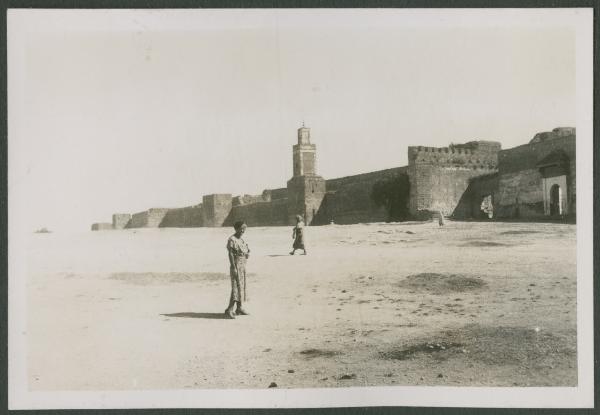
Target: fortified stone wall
[[272, 213], [520, 189], [371, 177], [305, 195], [216, 209], [479, 187], [274, 194], [249, 199], [348, 199], [186, 217], [439, 176], [102, 226], [150, 218], [156, 216], [138, 220], [120, 220], [452, 179]]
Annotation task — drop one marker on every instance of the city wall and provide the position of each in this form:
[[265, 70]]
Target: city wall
[[186, 217], [470, 204], [121, 220], [216, 209], [453, 180], [150, 218], [264, 213], [439, 176], [520, 188], [517, 189], [102, 226], [348, 199]]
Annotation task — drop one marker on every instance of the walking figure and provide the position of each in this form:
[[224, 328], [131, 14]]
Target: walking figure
[[440, 218], [298, 236]]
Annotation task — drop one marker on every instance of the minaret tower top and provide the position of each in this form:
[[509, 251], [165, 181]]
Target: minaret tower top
[[304, 154], [303, 135]]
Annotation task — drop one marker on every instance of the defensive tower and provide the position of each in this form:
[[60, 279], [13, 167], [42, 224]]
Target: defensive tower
[[439, 176]]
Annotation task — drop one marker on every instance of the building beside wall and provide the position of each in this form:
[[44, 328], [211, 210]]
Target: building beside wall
[[474, 180], [534, 181]]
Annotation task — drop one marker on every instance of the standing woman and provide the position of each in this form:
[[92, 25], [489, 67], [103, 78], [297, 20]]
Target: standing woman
[[298, 235], [238, 254]]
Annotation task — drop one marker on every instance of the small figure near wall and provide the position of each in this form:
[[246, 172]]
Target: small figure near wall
[[298, 236], [440, 218], [238, 254]]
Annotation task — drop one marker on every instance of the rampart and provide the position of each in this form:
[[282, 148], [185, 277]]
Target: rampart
[[275, 194], [439, 176], [249, 199], [102, 226], [150, 218], [270, 213], [467, 180], [120, 220], [186, 217], [216, 209], [349, 199], [470, 205], [520, 186]]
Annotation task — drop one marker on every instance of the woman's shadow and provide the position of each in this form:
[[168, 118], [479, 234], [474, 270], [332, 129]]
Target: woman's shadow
[[215, 316]]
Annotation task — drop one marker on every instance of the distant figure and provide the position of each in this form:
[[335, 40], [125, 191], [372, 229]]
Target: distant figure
[[238, 254], [298, 235], [440, 218]]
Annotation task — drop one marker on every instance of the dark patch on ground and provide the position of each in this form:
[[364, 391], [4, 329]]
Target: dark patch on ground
[[516, 345], [442, 283], [483, 244], [430, 348], [314, 353], [151, 278], [495, 346], [517, 232]]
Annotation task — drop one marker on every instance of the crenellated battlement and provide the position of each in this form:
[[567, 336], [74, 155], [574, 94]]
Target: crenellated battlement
[[473, 155], [440, 175]]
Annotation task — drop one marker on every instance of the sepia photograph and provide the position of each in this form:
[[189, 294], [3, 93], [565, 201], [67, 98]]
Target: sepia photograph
[[300, 208]]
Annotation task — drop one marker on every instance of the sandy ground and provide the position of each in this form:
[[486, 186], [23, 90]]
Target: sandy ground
[[475, 304]]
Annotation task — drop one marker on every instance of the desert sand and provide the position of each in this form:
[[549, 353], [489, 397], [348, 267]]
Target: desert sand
[[478, 304]]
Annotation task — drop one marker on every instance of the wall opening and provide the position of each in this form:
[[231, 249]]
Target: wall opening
[[487, 207], [555, 200]]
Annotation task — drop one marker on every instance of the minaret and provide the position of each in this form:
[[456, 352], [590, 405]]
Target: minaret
[[304, 154], [306, 189]]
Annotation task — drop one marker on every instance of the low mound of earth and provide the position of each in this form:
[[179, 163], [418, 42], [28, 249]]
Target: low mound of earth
[[493, 345], [531, 352], [437, 283]]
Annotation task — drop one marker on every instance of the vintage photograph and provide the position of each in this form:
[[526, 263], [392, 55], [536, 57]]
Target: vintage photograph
[[309, 207]]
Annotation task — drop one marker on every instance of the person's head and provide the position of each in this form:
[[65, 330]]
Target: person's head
[[240, 227], [298, 218]]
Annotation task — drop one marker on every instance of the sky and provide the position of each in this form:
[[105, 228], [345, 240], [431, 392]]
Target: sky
[[121, 111]]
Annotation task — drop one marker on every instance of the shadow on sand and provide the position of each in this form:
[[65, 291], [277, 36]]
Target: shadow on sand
[[215, 316], [274, 255]]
